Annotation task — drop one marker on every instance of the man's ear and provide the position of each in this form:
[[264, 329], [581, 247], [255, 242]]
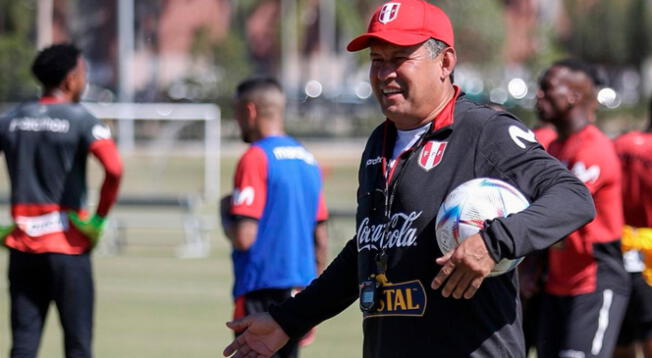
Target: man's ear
[[251, 111], [448, 62], [68, 82]]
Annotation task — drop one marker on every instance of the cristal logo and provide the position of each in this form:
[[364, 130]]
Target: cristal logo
[[407, 299], [389, 12], [400, 233]]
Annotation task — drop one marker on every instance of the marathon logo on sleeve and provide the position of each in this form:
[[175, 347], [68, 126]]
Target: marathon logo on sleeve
[[101, 131], [244, 196], [407, 299], [517, 134], [584, 174], [45, 124], [300, 153]]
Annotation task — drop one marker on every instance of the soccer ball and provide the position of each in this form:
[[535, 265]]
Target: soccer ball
[[465, 209]]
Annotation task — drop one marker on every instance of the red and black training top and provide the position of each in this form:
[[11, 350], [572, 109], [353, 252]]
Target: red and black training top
[[466, 141], [590, 259], [46, 145], [635, 152]]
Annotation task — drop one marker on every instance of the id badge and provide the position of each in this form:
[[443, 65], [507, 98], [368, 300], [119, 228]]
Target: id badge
[[369, 295]]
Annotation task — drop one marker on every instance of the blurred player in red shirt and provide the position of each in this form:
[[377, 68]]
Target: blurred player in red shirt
[[46, 144], [545, 134], [587, 287], [635, 152]]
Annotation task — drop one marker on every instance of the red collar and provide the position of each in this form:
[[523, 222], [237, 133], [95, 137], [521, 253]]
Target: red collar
[[445, 117], [51, 100]]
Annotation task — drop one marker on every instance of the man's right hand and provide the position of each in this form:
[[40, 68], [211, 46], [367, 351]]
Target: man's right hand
[[464, 268], [260, 337], [225, 215]]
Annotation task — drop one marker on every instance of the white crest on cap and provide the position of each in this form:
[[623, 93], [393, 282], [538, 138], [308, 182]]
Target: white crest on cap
[[389, 12]]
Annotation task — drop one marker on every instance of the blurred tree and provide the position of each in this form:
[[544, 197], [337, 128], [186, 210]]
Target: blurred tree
[[352, 19], [479, 30], [609, 32], [229, 62], [16, 50]]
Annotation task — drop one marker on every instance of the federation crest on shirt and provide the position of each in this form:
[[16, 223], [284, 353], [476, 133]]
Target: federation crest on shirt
[[389, 12], [431, 154]]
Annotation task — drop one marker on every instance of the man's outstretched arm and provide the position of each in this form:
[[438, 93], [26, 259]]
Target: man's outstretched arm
[[263, 334], [260, 335]]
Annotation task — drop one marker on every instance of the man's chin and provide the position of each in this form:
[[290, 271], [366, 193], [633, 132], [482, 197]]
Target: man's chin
[[390, 111]]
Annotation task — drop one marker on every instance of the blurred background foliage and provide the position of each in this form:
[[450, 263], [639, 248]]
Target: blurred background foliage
[[615, 35], [16, 50], [479, 30], [610, 32]]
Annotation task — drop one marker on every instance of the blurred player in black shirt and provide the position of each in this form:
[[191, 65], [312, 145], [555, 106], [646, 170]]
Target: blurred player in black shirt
[[46, 144]]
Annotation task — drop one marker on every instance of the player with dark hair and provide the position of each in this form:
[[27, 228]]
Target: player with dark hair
[[635, 152], [46, 144], [276, 216], [587, 286], [415, 300], [53, 65]]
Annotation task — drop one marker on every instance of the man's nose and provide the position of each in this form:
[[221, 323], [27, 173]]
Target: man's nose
[[386, 71]]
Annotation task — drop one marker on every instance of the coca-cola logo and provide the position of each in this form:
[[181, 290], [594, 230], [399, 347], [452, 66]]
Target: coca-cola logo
[[400, 232]]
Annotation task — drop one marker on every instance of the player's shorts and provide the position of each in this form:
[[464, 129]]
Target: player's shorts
[[261, 301], [580, 326], [637, 325]]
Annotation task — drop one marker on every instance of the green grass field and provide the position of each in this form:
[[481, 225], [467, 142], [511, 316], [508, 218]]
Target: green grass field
[[152, 304]]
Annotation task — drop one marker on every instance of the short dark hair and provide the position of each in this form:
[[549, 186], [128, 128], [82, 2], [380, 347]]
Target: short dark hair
[[577, 65], [257, 83], [53, 63]]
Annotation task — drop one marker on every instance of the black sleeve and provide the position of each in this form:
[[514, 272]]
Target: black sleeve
[[325, 297], [559, 202]]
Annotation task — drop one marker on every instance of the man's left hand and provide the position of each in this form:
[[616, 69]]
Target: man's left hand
[[91, 228], [464, 268], [5, 230]]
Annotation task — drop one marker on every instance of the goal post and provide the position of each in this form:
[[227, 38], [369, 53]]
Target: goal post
[[208, 113], [169, 205]]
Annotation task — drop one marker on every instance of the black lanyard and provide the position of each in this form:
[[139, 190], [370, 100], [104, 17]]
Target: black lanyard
[[382, 258]]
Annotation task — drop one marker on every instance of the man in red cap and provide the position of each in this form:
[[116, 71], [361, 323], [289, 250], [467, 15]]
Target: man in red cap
[[417, 301]]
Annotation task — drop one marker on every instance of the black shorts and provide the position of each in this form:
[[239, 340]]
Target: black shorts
[[580, 326], [37, 280], [637, 325], [261, 301]]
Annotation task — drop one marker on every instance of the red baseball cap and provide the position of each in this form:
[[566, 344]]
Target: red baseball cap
[[406, 23]]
